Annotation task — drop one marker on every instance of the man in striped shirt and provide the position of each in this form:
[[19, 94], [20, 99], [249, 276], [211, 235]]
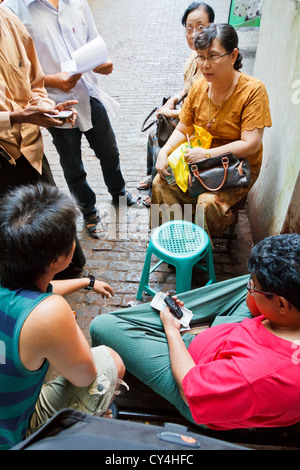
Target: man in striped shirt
[[37, 324]]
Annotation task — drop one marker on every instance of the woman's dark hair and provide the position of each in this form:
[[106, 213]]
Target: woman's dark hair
[[275, 262], [194, 6], [37, 224], [227, 36]]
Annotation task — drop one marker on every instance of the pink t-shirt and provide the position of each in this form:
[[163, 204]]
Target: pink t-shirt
[[244, 377]]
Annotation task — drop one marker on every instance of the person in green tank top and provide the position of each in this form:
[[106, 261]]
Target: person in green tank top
[[37, 325]]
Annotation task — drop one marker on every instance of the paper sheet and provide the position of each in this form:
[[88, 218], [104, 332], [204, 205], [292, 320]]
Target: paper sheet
[[87, 57]]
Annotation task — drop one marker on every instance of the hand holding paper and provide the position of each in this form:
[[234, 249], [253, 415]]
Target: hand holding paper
[[87, 57], [104, 69]]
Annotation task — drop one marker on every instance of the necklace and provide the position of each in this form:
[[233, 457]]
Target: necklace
[[213, 120]]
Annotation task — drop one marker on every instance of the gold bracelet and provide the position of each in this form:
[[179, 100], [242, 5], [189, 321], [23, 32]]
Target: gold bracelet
[[207, 155]]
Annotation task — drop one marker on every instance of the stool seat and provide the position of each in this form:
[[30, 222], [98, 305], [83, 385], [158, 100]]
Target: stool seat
[[181, 244]]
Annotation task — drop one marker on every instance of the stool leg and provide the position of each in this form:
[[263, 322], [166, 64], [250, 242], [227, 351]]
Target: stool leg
[[145, 275], [210, 266], [184, 277]]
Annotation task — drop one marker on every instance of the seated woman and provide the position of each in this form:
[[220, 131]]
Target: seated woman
[[195, 18], [239, 373], [234, 108]]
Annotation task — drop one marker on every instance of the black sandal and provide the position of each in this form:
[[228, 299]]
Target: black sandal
[[145, 184], [131, 200], [94, 223]]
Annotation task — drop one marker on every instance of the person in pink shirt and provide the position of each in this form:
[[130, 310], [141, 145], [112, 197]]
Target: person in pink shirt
[[243, 371]]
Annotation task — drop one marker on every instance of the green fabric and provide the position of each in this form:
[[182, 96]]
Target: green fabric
[[137, 334]]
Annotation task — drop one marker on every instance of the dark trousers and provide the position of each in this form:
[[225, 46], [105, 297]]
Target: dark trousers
[[23, 174], [102, 141]]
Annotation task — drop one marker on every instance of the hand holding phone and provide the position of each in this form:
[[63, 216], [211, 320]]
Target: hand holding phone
[[173, 306], [60, 115]]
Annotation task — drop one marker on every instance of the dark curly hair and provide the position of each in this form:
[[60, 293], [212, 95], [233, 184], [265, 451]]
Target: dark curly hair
[[227, 36], [275, 262]]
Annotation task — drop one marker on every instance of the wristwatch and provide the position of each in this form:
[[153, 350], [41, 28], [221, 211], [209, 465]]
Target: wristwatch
[[92, 282]]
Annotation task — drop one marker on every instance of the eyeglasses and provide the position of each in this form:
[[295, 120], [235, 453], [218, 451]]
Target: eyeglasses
[[251, 289], [194, 30], [212, 58]]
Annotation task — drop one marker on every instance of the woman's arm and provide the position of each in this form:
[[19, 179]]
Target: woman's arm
[[178, 137], [168, 109], [249, 144]]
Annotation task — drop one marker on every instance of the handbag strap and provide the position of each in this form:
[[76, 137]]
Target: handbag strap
[[155, 120], [225, 164]]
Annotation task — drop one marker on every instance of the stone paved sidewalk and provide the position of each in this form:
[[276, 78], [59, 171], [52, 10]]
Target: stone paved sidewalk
[[147, 45]]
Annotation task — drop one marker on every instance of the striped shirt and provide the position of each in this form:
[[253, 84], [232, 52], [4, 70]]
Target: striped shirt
[[19, 387]]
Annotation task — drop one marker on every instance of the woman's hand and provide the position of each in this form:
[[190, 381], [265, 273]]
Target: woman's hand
[[103, 289], [168, 109], [194, 155], [162, 163]]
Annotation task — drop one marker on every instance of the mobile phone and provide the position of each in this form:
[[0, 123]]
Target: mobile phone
[[173, 306], [60, 115]]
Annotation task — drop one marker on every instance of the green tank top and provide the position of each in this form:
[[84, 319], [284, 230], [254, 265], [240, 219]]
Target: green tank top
[[19, 387]]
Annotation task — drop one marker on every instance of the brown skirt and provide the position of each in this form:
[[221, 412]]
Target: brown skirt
[[211, 210]]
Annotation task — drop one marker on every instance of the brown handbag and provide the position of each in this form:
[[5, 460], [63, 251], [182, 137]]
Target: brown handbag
[[221, 172], [164, 126]]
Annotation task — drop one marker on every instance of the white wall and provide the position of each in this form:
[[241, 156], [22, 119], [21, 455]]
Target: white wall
[[277, 64]]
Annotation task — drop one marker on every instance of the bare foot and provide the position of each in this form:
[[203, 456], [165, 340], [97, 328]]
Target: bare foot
[[108, 414]]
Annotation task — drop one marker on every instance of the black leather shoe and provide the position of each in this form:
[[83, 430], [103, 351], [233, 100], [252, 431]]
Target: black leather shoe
[[131, 200]]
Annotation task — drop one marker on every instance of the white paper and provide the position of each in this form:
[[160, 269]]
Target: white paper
[[87, 57], [159, 304]]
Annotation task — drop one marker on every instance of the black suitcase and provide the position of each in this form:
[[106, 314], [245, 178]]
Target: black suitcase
[[73, 430]]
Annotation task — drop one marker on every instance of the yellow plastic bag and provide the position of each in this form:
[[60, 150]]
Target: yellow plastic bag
[[177, 161]]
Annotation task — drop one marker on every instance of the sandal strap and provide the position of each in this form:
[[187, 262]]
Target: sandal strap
[[94, 219]]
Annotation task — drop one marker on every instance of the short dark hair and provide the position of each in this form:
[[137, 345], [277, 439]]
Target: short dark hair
[[227, 36], [194, 6], [37, 224], [275, 262]]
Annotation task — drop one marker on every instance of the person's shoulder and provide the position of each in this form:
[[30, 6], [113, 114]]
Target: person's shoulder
[[250, 82], [190, 59], [7, 13], [52, 310], [12, 19], [55, 300]]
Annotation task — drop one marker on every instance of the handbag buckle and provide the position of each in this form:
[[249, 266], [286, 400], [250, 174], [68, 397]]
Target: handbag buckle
[[225, 161]]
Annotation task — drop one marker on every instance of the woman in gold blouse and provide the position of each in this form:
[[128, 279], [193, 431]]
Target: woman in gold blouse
[[196, 17], [234, 108]]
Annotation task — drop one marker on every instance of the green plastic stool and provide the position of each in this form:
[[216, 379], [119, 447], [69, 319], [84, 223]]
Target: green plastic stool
[[182, 244]]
